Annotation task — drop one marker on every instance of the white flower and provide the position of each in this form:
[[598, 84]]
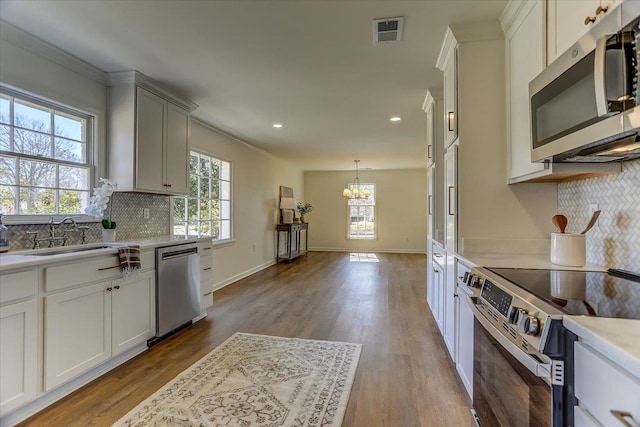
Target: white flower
[[100, 200]]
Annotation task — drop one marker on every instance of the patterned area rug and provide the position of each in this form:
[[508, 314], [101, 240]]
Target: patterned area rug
[[256, 381]]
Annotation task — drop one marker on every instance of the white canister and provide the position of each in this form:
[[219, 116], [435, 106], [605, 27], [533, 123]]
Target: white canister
[[568, 249], [108, 235]]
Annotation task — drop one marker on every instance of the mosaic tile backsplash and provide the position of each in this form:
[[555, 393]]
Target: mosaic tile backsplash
[[615, 240], [127, 213]]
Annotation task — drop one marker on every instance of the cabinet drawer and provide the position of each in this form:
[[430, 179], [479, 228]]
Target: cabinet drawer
[[206, 274], [602, 386], [206, 287], [14, 286], [206, 261]]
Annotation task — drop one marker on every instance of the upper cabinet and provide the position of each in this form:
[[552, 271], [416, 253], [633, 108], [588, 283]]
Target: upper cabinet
[[148, 136], [448, 63], [568, 20], [432, 106], [525, 26]]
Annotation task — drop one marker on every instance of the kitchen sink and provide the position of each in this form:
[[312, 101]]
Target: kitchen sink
[[68, 250]]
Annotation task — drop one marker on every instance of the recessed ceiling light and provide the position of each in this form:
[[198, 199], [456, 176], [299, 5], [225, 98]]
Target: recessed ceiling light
[[277, 125], [395, 118]]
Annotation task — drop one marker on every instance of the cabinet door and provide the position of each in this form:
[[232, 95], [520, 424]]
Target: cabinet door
[[150, 122], [450, 101], [177, 150], [450, 198], [450, 309], [567, 23], [431, 134], [430, 205], [77, 332], [133, 311], [525, 56], [18, 352], [465, 334]]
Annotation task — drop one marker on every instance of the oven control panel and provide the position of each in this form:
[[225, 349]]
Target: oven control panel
[[514, 316]]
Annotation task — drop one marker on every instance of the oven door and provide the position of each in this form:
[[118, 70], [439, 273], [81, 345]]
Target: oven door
[[510, 387]]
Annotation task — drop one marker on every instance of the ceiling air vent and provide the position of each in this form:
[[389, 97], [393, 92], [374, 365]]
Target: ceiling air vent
[[387, 30]]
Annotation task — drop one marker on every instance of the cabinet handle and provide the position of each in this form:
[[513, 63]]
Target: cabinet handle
[[208, 293], [116, 287], [430, 200], [167, 185], [438, 256], [429, 154], [451, 187], [208, 268], [621, 415], [450, 117], [602, 9], [108, 268], [207, 249], [589, 20], [109, 289]]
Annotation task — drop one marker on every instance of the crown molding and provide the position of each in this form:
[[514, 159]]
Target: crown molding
[[512, 11], [137, 78], [446, 49], [431, 97], [45, 50]]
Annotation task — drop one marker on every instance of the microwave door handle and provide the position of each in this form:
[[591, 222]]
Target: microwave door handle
[[600, 76], [542, 370]]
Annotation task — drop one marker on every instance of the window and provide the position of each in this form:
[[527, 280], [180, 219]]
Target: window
[[206, 211], [44, 157], [361, 215]]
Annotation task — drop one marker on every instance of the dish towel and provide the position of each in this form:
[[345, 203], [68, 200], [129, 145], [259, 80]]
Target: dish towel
[[129, 260]]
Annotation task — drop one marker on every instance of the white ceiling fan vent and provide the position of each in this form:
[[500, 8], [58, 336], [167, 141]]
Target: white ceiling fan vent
[[387, 30]]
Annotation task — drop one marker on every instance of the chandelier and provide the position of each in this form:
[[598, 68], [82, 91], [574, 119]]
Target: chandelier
[[355, 190]]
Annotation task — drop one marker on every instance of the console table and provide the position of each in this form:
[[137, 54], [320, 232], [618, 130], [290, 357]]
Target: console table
[[291, 235]]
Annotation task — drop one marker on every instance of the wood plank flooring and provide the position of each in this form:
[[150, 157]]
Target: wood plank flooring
[[404, 379]]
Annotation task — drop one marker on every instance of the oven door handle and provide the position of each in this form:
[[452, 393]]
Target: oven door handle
[[542, 370]]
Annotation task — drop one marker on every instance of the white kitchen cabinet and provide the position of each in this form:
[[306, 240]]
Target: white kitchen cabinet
[[18, 339], [464, 364], [77, 333], [133, 311], [605, 390], [433, 106], [148, 136], [437, 285], [568, 20], [450, 199], [205, 251], [448, 63], [450, 304]]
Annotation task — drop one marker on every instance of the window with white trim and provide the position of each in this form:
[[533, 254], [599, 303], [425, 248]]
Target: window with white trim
[[206, 211], [361, 214], [45, 149]]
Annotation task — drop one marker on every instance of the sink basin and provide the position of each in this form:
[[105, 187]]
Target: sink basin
[[68, 250]]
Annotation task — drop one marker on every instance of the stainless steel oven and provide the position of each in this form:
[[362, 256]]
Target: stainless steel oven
[[523, 357]]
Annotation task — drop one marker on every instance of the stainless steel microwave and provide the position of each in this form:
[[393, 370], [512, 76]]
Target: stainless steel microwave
[[585, 107]]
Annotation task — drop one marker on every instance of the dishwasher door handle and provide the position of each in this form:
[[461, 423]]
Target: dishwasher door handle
[[178, 254]]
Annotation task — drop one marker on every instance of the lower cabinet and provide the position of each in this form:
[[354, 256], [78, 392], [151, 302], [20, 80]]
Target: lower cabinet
[[464, 363], [18, 353], [206, 275], [88, 325], [450, 307]]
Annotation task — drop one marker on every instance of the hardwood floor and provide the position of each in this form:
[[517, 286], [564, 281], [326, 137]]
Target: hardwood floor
[[405, 377]]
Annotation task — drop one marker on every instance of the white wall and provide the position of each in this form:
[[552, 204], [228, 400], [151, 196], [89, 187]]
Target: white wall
[[257, 177], [28, 64], [401, 210]]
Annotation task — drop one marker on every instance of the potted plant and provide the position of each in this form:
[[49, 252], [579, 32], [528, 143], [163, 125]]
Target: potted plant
[[304, 208], [98, 204]]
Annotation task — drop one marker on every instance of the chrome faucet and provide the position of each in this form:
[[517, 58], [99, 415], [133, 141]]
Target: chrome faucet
[[52, 232]]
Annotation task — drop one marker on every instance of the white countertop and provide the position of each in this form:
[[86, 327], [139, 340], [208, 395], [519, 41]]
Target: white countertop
[[534, 261], [617, 339], [22, 259]]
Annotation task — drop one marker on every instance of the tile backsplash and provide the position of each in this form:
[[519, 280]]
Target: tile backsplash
[[615, 240], [127, 213]]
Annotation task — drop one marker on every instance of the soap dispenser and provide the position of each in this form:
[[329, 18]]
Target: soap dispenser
[[4, 236]]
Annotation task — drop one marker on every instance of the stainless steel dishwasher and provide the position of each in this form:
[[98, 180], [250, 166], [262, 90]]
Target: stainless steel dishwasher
[[177, 287]]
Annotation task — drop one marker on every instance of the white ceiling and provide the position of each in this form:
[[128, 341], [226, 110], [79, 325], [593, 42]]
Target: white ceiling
[[308, 64]]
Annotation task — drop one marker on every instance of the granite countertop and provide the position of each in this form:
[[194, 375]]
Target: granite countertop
[[22, 259], [616, 339]]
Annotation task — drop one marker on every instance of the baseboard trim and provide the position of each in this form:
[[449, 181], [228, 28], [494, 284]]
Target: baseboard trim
[[388, 251], [22, 413], [242, 275]]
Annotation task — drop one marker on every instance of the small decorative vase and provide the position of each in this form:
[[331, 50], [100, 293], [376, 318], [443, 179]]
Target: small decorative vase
[[108, 235], [302, 218]]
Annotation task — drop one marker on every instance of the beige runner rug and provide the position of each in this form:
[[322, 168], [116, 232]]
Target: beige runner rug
[[256, 381]]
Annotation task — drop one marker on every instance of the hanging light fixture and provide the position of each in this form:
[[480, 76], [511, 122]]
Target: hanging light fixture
[[356, 191]]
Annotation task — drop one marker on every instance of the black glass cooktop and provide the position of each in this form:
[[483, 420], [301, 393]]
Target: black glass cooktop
[[591, 293]]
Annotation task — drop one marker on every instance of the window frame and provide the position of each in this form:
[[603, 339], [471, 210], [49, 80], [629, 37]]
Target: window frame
[[90, 151], [216, 242], [372, 204]]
